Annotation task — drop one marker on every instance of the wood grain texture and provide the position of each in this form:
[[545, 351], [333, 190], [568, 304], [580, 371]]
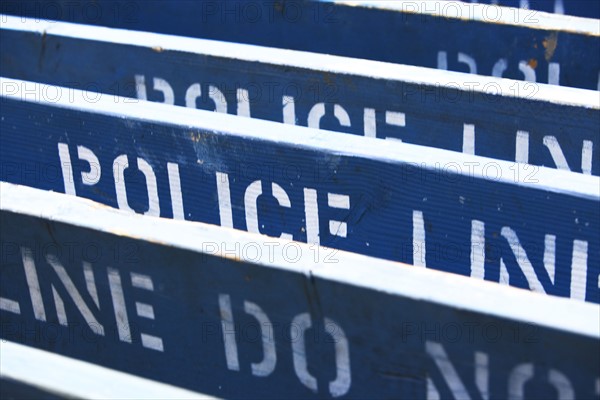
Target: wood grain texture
[[508, 42], [354, 328], [29, 373], [529, 227], [579, 8], [510, 120]]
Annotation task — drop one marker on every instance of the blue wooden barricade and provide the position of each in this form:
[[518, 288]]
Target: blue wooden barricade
[[539, 124], [236, 315], [579, 8], [30, 373], [529, 227], [489, 40]]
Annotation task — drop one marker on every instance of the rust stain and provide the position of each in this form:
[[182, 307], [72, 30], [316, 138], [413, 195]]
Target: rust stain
[[533, 63], [550, 43], [158, 49], [348, 81]]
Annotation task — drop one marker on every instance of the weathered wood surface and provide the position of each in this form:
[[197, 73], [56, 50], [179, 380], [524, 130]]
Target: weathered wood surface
[[234, 314], [489, 40], [529, 227], [579, 8], [29, 373], [539, 124]]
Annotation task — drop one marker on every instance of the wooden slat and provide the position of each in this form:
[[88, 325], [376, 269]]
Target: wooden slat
[[30, 373], [488, 40], [539, 124], [579, 8], [235, 314], [529, 227]]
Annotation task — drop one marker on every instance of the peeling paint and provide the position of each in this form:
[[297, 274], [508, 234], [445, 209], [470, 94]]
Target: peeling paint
[[533, 63]]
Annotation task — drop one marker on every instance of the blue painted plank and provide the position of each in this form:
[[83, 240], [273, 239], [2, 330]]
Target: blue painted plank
[[11, 389], [29, 373], [530, 227], [238, 315], [508, 42], [578, 8], [539, 124]]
